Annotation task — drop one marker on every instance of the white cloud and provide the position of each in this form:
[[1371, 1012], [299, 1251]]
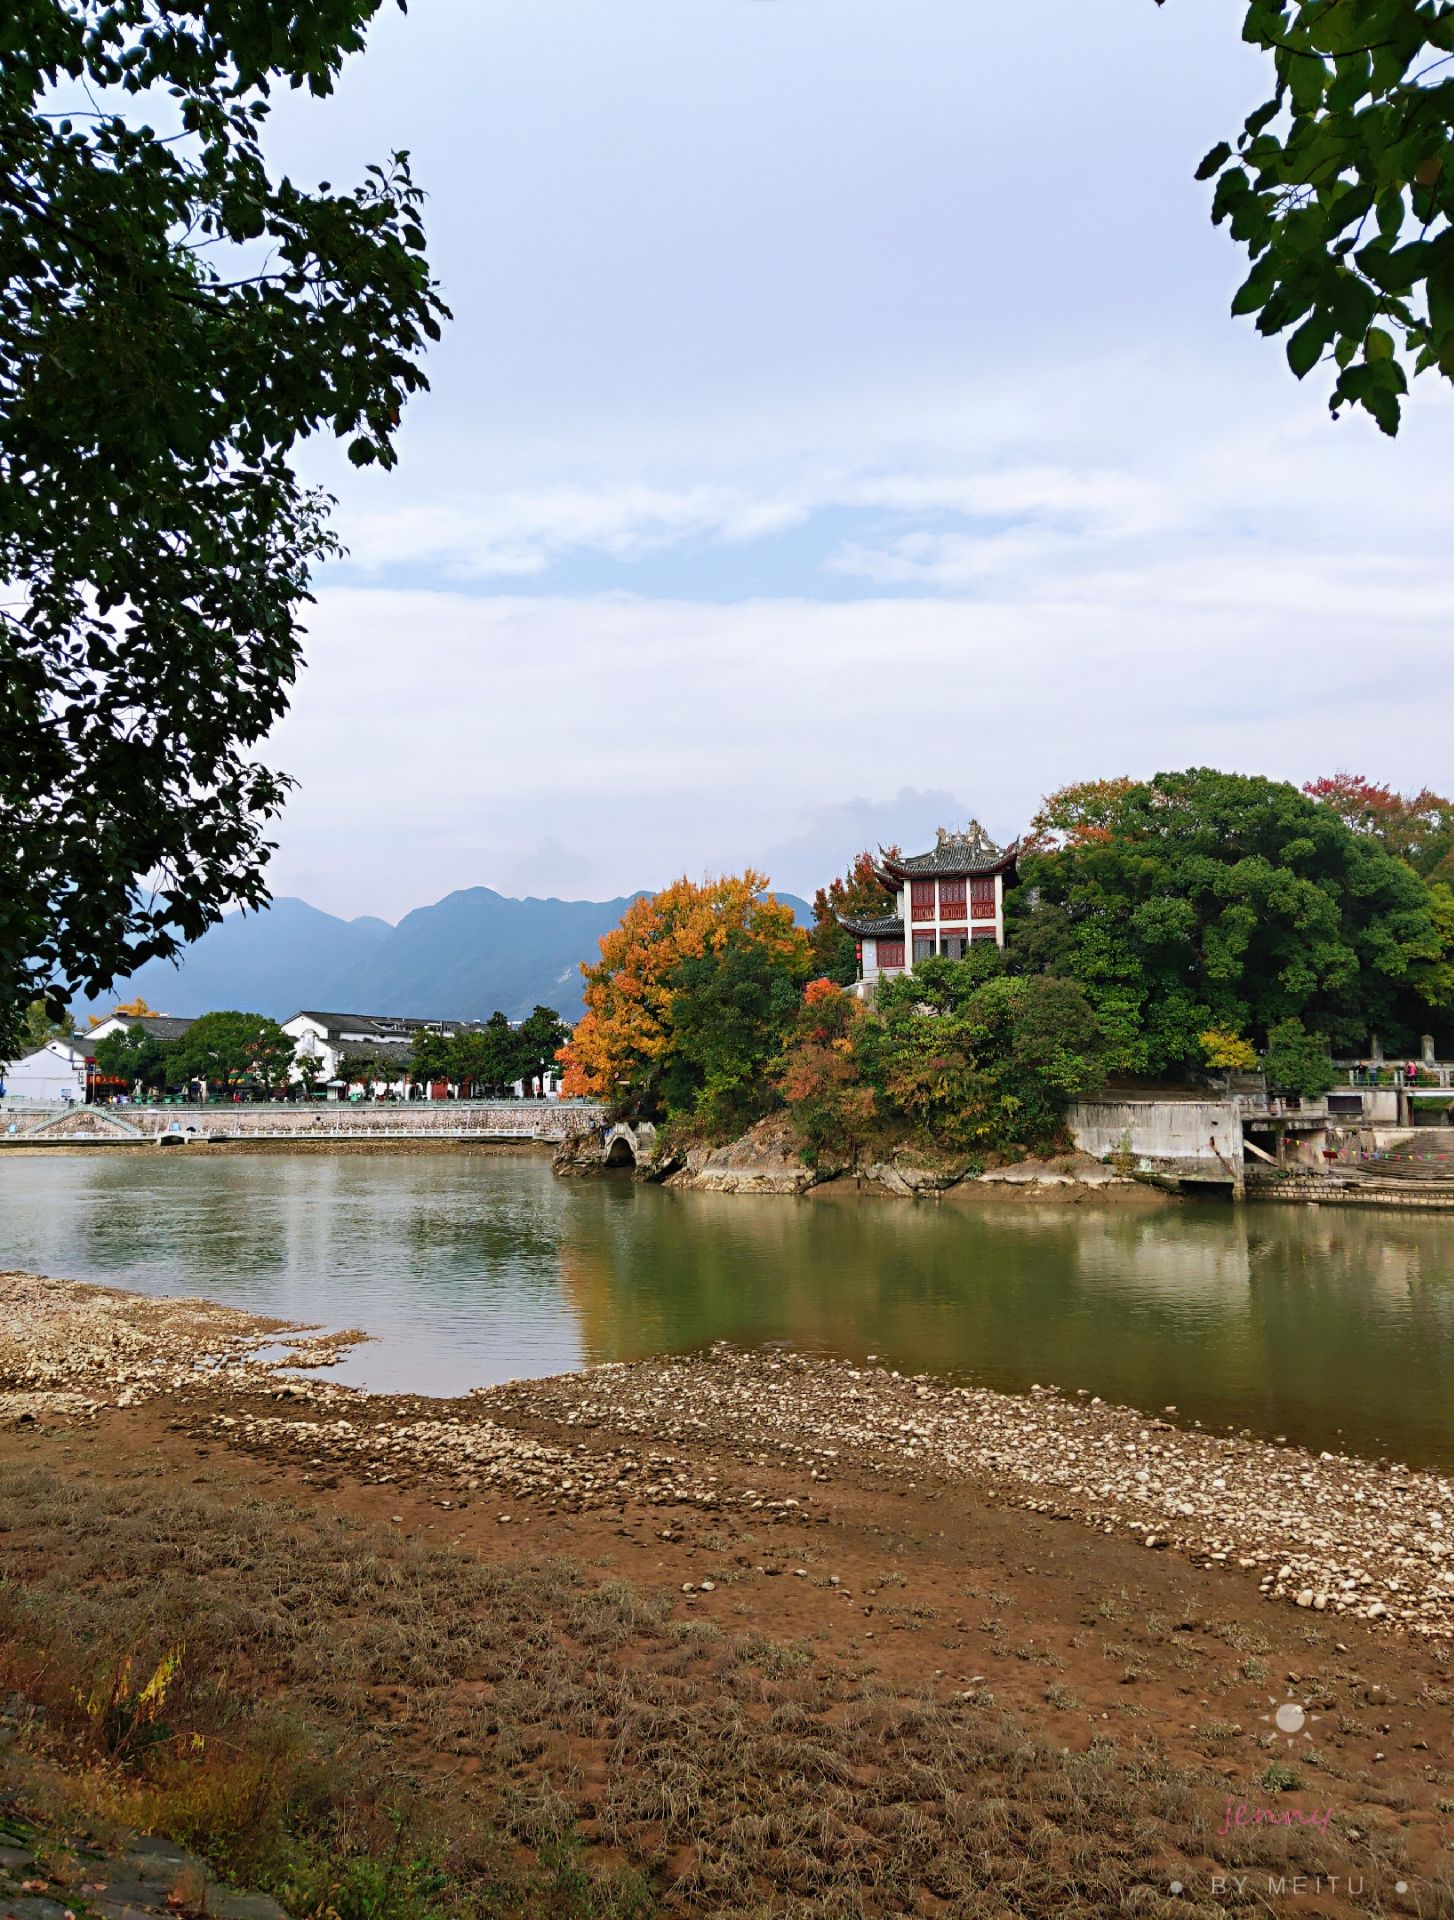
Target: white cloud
[[439, 738]]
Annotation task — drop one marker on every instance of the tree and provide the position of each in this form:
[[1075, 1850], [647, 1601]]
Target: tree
[[1227, 1052], [428, 1057], [136, 1057], [136, 1009], [540, 1036], [984, 1063], [465, 1060], [623, 1046], [1416, 827], [1229, 901], [1297, 1061], [228, 1050], [732, 1008], [831, 1106], [309, 1073], [502, 1056], [1341, 188], [364, 1067], [860, 895], [35, 1028], [1077, 815], [173, 320]]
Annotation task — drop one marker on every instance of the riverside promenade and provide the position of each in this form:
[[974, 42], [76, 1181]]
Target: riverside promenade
[[436, 1121]]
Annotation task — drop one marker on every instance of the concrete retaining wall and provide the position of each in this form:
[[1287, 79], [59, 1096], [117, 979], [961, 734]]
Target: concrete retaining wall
[[1193, 1136]]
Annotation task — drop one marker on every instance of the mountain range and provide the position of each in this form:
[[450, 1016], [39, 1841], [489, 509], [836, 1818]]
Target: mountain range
[[470, 953]]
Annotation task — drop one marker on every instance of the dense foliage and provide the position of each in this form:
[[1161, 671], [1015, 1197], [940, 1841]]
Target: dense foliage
[[1417, 827], [173, 320], [693, 993], [960, 1057], [1195, 923], [232, 1050], [1205, 901], [137, 1059], [485, 1061], [1341, 188]]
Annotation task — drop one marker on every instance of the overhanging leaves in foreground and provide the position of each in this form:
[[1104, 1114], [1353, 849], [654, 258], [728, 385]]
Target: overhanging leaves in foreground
[[172, 320], [1341, 188]]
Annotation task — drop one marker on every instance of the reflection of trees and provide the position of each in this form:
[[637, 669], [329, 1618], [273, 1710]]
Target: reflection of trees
[[1288, 1320], [214, 1220], [1243, 1317]]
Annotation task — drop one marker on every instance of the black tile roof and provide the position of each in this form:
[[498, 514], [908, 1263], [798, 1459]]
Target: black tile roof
[[380, 1026], [159, 1026], [887, 927], [970, 852]]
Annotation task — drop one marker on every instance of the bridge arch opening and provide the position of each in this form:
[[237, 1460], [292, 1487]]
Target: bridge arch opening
[[619, 1153]]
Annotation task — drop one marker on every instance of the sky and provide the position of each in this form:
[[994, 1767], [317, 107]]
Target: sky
[[841, 432]]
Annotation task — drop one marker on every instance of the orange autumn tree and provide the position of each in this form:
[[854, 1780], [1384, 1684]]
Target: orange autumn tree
[[691, 996], [1079, 815]]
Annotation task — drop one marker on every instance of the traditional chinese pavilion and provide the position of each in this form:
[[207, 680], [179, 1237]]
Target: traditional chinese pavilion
[[947, 897]]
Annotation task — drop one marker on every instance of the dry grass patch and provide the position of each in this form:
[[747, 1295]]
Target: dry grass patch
[[394, 1731]]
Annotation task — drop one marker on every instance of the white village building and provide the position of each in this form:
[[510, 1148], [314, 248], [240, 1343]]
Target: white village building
[[57, 1071]]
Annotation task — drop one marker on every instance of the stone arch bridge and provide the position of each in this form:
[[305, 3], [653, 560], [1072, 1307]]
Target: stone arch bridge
[[625, 1144]]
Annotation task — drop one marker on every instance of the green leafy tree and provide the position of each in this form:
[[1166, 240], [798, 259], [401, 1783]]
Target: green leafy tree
[[1341, 189], [230, 1050], [539, 1037], [732, 1011], [35, 1028], [1297, 1061], [503, 1057], [1216, 900], [173, 320], [428, 1057], [137, 1057], [310, 1073], [366, 1067], [980, 1063]]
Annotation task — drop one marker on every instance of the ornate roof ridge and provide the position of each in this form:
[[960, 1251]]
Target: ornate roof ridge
[[969, 850]]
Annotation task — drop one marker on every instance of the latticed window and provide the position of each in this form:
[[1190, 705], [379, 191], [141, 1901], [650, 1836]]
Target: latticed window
[[951, 899], [890, 953], [982, 899], [922, 898], [923, 946]]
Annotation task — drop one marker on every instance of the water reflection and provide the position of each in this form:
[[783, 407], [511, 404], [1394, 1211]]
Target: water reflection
[[1335, 1328]]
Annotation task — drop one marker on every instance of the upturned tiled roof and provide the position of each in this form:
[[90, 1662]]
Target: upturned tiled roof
[[888, 927], [969, 852]]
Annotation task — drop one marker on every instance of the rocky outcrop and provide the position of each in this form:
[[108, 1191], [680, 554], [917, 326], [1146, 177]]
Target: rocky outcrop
[[1068, 1176], [911, 1174], [580, 1155], [766, 1159]]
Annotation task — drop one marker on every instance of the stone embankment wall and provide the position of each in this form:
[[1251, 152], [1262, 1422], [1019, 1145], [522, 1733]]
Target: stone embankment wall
[[551, 1120]]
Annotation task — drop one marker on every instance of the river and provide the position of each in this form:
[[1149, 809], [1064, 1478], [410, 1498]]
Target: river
[[1333, 1327]]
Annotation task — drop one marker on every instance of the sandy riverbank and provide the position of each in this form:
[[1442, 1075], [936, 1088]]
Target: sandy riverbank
[[773, 1628]]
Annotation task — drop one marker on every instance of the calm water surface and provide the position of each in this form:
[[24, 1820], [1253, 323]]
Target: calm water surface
[[1332, 1326]]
